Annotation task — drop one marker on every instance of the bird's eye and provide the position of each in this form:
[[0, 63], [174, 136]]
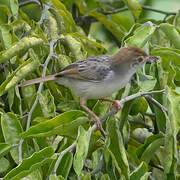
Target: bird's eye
[[140, 59]]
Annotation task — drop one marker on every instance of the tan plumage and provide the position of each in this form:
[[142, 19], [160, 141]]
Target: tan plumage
[[99, 76]]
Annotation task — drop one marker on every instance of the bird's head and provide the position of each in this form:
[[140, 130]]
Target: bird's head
[[133, 56]]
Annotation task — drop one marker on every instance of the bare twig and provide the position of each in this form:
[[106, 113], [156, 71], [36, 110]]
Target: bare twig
[[70, 148], [91, 19], [24, 3], [141, 123], [139, 94], [51, 44], [94, 127], [157, 103]]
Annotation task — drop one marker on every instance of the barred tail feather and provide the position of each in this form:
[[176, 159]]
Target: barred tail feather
[[38, 80]]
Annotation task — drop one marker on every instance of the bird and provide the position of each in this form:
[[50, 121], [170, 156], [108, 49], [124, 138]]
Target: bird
[[100, 76]]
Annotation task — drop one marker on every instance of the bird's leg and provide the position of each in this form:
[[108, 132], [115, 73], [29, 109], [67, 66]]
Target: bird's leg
[[95, 117], [116, 103]]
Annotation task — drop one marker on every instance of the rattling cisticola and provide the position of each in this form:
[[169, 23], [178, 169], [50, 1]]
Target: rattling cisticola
[[99, 76]]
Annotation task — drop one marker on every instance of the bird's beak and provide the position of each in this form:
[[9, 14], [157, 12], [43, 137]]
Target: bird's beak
[[151, 59]]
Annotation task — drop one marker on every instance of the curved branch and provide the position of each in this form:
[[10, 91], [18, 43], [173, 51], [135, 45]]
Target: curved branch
[[24, 3], [94, 127], [51, 44], [89, 19]]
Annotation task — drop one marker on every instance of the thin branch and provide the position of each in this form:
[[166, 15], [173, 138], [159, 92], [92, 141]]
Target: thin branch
[[157, 103], [90, 19], [141, 123], [24, 3], [139, 94], [70, 148], [94, 127], [156, 166], [157, 10], [143, 7], [99, 167], [51, 44]]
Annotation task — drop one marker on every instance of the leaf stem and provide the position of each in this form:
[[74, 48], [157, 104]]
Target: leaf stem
[[51, 45], [94, 127]]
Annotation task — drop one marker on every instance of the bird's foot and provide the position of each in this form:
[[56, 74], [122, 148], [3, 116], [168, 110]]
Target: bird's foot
[[95, 118], [116, 103], [99, 125]]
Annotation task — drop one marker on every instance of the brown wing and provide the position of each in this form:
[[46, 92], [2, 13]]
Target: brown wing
[[91, 69]]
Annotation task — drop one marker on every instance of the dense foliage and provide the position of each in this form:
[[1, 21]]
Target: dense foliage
[[44, 134]]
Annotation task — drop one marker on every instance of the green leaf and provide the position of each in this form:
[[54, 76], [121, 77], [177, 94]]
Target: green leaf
[[151, 145], [141, 35], [4, 149], [146, 82], [134, 7], [82, 146], [5, 165], [54, 177], [11, 128], [20, 47], [53, 29], [6, 35], [65, 165], [177, 20], [89, 45], [110, 25], [172, 34], [116, 148], [66, 15], [168, 54], [170, 151], [21, 72], [173, 102], [46, 101], [66, 124], [105, 177], [74, 46], [28, 93], [139, 171], [14, 6], [36, 174], [30, 164]]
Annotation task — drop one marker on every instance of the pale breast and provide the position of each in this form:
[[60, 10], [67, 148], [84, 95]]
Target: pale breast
[[95, 90]]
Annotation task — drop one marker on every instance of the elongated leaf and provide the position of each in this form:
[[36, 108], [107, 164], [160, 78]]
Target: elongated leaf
[[11, 128], [66, 15], [65, 124], [74, 46], [81, 149], [139, 171], [110, 25], [6, 35], [168, 54], [30, 164], [46, 101], [116, 148], [134, 7], [148, 141], [151, 148], [14, 7], [170, 153], [20, 73], [36, 174], [172, 34], [20, 47], [141, 35], [65, 165], [4, 149], [146, 82], [5, 165], [173, 100]]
